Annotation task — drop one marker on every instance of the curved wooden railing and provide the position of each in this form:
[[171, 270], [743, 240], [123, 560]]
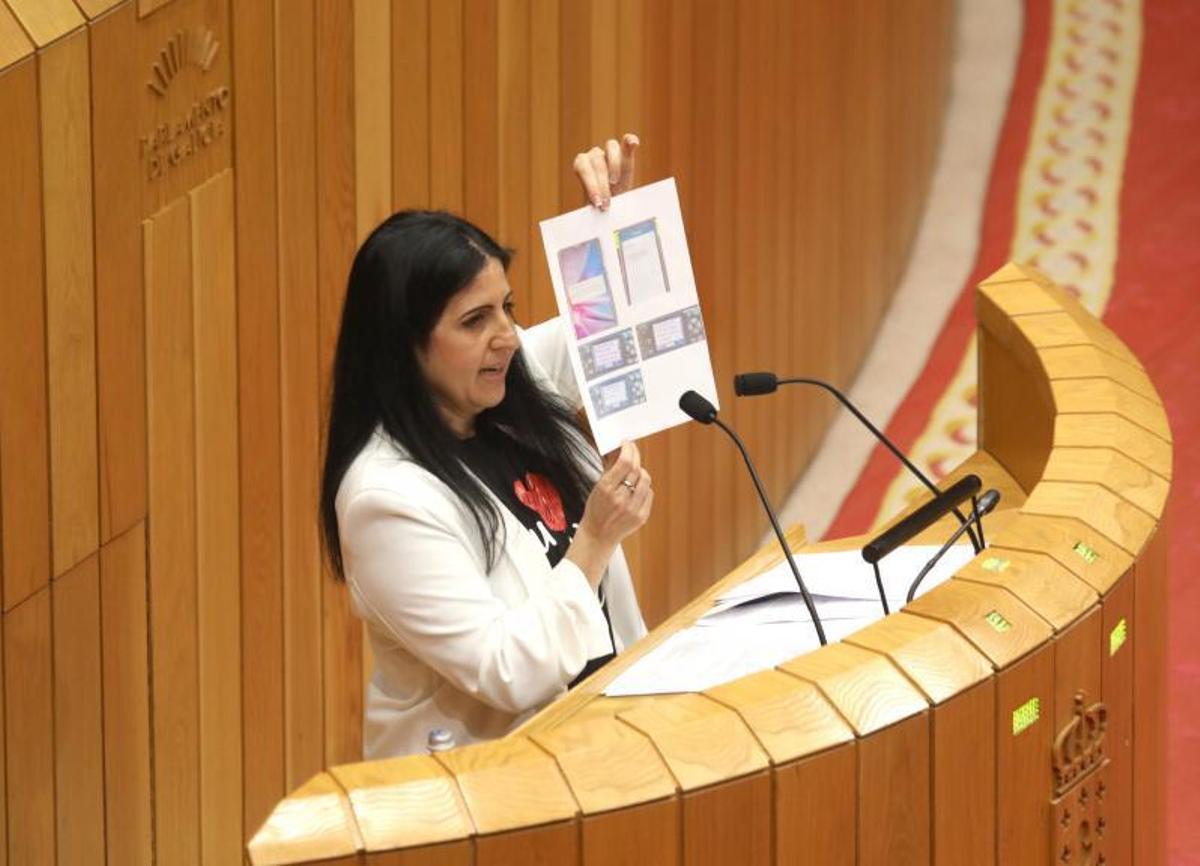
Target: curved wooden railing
[[1012, 715]]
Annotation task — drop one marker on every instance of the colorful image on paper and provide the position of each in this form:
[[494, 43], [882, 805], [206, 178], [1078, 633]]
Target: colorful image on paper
[[642, 266], [603, 355], [669, 332], [628, 389], [586, 283]]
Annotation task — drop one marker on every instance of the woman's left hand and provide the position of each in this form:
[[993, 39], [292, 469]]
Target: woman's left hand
[[607, 171]]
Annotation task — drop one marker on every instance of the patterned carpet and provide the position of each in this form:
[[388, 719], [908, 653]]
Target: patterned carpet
[[1096, 181]]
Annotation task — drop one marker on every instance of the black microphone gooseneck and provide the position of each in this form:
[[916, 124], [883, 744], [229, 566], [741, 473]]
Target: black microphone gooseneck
[[699, 409], [986, 503], [754, 384]]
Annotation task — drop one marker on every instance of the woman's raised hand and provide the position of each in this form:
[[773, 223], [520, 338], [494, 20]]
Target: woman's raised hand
[[619, 505], [607, 171]]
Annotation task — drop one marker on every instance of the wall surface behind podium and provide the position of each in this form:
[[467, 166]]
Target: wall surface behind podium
[[184, 184]]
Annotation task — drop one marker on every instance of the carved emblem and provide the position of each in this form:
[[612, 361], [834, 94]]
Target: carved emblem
[[1080, 767], [196, 47]]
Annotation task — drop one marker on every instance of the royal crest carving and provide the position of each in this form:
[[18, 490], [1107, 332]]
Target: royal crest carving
[[1080, 769]]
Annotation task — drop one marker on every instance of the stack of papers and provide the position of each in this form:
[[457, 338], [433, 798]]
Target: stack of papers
[[764, 622]]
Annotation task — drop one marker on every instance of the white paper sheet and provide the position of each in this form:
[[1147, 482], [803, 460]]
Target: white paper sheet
[[731, 641], [623, 281]]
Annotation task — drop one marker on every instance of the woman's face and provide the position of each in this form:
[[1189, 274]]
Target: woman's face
[[470, 348]]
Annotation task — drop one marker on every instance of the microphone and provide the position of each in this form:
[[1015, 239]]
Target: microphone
[[986, 503], [699, 409], [755, 384]]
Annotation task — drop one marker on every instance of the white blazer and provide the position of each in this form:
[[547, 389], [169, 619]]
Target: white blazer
[[457, 646]]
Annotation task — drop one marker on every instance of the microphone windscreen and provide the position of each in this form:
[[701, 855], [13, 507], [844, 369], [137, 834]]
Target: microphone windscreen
[[697, 408], [753, 384]]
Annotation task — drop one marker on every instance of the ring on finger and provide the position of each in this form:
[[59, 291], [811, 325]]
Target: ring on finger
[[629, 484]]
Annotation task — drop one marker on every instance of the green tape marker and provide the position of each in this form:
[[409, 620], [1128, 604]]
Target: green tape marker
[[1086, 553], [997, 621], [1026, 715], [1117, 638], [995, 563]]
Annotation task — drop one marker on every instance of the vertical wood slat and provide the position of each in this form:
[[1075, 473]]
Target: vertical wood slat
[[120, 338], [411, 134], [3, 738], [893, 794], [373, 193], [336, 231], [1150, 600], [29, 730], [126, 674], [1022, 804], [217, 520], [70, 300], [513, 167], [1116, 673], [78, 712], [545, 154], [172, 532], [816, 801], [480, 114], [24, 459], [963, 764], [260, 493], [299, 345], [446, 98]]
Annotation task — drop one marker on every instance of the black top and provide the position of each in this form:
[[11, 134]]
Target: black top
[[526, 484]]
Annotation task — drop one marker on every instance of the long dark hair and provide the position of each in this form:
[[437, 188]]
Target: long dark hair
[[401, 280]]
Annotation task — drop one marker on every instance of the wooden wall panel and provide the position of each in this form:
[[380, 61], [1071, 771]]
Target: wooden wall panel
[[545, 154], [70, 298], [295, 109], [1150, 601], [24, 461], [341, 640], [1116, 672], [642, 834], [511, 165], [29, 730], [816, 803], [410, 103], [372, 111], [3, 746], [446, 97], [126, 672], [172, 532], [893, 794], [728, 823], [78, 714], [120, 337], [217, 517], [260, 470], [1022, 770], [964, 778]]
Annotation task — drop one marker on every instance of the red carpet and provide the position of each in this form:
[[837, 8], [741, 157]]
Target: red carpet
[[1154, 307]]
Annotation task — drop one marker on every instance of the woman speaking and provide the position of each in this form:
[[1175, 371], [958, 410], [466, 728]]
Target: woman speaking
[[475, 527]]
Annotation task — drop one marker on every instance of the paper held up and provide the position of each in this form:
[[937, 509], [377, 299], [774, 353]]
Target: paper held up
[[627, 296]]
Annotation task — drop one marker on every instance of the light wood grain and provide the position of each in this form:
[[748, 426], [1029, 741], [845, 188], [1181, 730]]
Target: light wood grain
[[1109, 514], [508, 784], [1013, 272], [170, 375], [1016, 411], [938, 660], [701, 741], [126, 672], [314, 822], [1097, 333], [1022, 783], [867, 689], [29, 730], [14, 44], [1047, 330], [789, 717], [1105, 395], [295, 111], [95, 8], [46, 20], [70, 299], [1089, 362], [1046, 587], [372, 115], [1095, 430], [545, 152], [967, 606], [78, 729], [257, 245], [120, 313], [218, 611], [24, 460], [1113, 470], [607, 765], [1060, 538], [404, 802], [480, 151], [1019, 297]]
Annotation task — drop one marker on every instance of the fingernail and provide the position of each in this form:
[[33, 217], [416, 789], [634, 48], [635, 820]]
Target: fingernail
[[598, 202]]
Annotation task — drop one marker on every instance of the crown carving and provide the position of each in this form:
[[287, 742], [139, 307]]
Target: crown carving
[[196, 47], [1079, 746]]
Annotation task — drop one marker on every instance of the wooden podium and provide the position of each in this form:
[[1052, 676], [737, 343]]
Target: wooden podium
[[1013, 715]]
